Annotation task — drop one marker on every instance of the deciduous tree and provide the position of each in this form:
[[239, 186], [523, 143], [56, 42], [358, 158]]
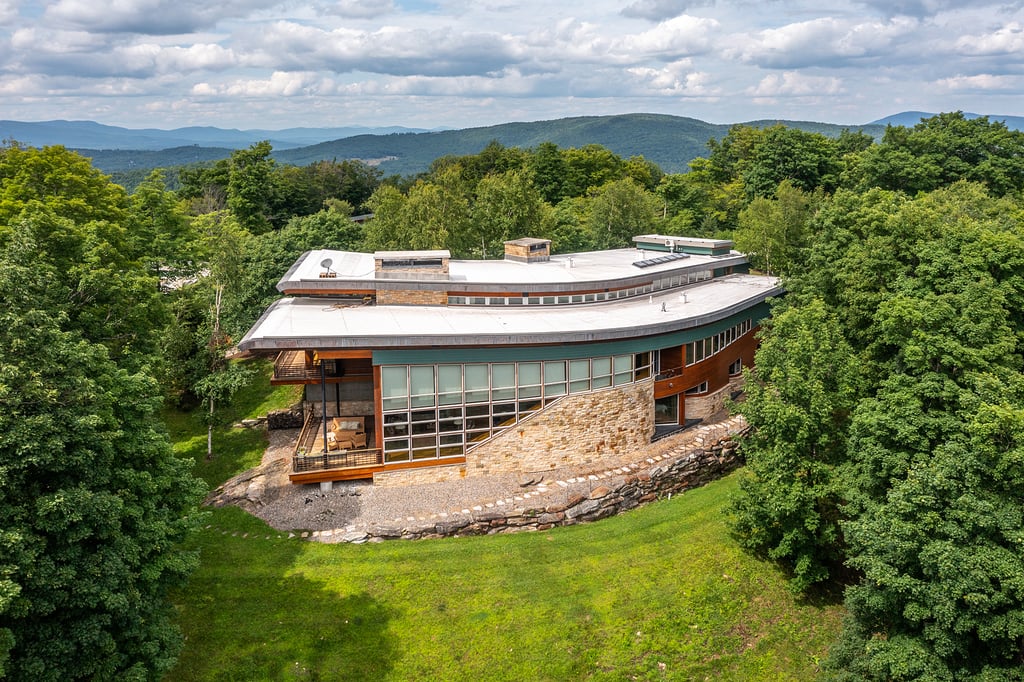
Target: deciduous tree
[[93, 503]]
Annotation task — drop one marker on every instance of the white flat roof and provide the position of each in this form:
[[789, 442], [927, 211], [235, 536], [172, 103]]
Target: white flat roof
[[294, 323], [601, 267]]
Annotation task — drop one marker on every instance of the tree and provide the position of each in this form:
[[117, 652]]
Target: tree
[[800, 394], [434, 215], [549, 171], [809, 161], [619, 211], [251, 189], [93, 503], [944, 149], [588, 168], [60, 181], [264, 258], [773, 232], [507, 206], [160, 229], [943, 594]]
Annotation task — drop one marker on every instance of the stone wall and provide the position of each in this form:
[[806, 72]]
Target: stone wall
[[420, 476], [703, 406], [578, 430], [347, 407], [411, 297], [708, 453]]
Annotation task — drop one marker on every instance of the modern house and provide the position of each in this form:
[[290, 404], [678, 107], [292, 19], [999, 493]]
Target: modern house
[[429, 368]]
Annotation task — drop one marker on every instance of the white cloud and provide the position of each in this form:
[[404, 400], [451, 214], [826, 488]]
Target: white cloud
[[201, 56], [391, 50], [980, 82], [8, 11], [823, 42], [659, 10], [678, 79], [678, 37], [919, 8], [151, 17], [280, 84], [1006, 40], [363, 9], [793, 84]]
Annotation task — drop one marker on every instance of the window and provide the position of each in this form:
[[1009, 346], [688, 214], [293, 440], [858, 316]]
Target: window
[[554, 378], [579, 376], [476, 383], [422, 386], [736, 367], [529, 380], [394, 388], [698, 389], [602, 372], [503, 381]]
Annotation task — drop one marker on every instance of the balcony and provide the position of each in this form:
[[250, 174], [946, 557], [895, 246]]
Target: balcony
[[311, 464], [298, 367]]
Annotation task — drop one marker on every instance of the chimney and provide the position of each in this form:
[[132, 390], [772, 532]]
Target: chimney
[[528, 250]]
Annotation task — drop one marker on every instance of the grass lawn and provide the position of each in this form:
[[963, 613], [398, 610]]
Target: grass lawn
[[659, 593], [234, 450]]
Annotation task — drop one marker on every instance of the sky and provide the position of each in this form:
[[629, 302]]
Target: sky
[[465, 63]]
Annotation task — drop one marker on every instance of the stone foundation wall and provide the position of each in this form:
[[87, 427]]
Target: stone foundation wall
[[578, 430], [420, 476], [702, 407]]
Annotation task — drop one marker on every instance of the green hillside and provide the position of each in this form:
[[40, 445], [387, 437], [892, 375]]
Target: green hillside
[[669, 141]]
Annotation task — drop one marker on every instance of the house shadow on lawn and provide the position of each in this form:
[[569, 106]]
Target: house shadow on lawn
[[255, 610]]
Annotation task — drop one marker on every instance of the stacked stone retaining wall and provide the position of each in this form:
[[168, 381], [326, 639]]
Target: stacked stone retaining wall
[[709, 453]]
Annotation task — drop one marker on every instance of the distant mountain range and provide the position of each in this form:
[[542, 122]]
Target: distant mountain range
[[92, 135], [909, 119], [670, 141]]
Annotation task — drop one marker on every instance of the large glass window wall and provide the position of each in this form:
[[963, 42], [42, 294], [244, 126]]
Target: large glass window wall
[[438, 411]]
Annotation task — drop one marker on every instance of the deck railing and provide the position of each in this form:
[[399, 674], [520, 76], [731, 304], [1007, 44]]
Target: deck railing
[[322, 461], [291, 365], [306, 458]]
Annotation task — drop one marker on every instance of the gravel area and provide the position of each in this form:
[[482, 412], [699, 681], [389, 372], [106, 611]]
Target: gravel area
[[359, 505]]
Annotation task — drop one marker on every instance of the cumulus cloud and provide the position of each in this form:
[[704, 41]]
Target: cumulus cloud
[[982, 82], [678, 79], [793, 84], [280, 84], [389, 50], [363, 9], [920, 9], [679, 37], [149, 17], [1006, 40], [659, 10], [8, 11], [822, 42]]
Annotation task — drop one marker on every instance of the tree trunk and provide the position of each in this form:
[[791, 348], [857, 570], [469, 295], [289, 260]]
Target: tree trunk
[[209, 434]]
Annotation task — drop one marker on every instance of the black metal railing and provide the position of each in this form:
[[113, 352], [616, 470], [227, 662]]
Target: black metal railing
[[322, 461], [668, 373]]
